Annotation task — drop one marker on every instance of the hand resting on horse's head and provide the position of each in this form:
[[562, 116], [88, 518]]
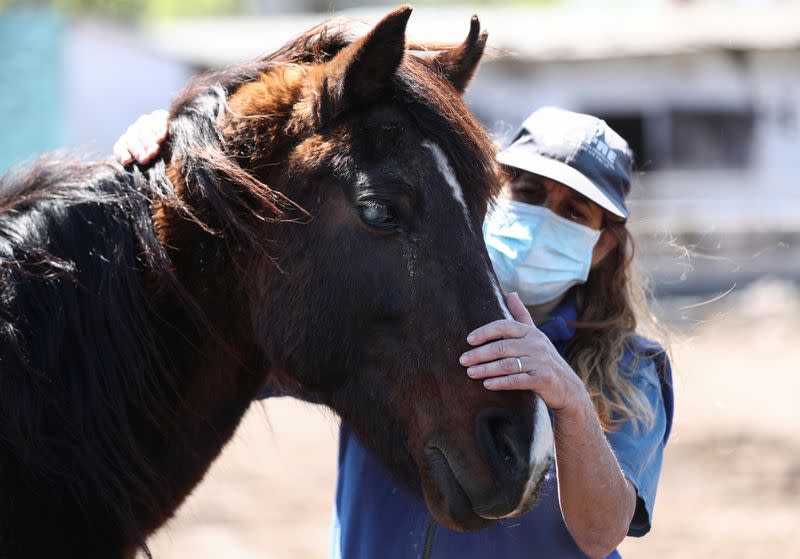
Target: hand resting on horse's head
[[142, 140], [516, 355]]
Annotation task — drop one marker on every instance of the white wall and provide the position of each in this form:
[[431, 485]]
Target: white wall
[[776, 83]]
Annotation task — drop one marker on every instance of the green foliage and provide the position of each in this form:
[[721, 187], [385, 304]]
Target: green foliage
[[160, 9], [135, 9], [491, 2]]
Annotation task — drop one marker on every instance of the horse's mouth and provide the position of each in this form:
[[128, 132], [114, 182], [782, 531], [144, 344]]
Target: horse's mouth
[[529, 498], [452, 506], [452, 502]]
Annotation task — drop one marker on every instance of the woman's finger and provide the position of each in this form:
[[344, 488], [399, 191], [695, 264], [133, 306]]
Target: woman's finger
[[148, 153], [151, 130], [121, 153], [135, 145], [492, 351], [518, 309], [503, 328], [518, 381], [159, 123], [500, 367], [142, 140]]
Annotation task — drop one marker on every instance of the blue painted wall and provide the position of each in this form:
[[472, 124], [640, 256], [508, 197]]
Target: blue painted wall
[[31, 85]]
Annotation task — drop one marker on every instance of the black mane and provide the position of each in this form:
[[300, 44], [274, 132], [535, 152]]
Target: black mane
[[78, 344], [84, 342]]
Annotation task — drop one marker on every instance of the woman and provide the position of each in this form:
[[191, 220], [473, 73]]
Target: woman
[[559, 245]]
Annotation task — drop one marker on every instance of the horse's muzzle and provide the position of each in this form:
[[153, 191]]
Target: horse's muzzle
[[517, 453]]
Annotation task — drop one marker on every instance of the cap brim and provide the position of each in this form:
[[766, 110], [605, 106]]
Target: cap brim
[[561, 172]]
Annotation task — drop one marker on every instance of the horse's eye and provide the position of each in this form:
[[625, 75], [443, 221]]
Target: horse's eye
[[377, 214]]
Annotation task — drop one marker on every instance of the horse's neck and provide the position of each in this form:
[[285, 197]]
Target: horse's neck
[[217, 397], [223, 368], [218, 356], [218, 374]]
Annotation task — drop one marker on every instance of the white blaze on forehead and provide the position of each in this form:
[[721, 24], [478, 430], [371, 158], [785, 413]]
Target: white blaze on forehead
[[500, 299], [449, 175]]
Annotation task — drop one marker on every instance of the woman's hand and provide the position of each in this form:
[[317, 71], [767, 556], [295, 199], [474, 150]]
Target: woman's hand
[[515, 355], [142, 140], [597, 502]]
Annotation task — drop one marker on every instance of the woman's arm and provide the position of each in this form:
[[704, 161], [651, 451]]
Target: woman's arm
[[142, 140], [596, 500]]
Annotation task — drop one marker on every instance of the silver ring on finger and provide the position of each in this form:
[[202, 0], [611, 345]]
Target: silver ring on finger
[[519, 364]]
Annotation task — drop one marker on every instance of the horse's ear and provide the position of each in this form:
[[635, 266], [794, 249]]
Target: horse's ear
[[359, 72], [458, 64]]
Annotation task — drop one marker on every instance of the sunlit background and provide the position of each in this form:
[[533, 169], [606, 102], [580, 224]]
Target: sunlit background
[[708, 95]]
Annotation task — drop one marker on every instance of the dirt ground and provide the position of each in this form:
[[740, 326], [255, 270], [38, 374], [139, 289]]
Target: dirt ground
[[730, 486]]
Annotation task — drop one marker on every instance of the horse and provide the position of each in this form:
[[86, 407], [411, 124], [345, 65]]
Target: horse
[[313, 224]]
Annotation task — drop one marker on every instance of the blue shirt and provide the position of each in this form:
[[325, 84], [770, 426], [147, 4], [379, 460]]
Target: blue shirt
[[376, 517]]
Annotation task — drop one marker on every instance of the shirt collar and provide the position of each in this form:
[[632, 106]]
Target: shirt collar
[[556, 329]]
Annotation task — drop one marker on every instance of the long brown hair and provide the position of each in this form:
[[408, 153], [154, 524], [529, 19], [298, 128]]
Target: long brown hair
[[612, 305]]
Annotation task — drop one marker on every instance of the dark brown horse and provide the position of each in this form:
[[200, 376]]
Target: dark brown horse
[[314, 223]]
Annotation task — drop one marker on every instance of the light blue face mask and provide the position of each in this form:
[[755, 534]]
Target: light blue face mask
[[537, 253]]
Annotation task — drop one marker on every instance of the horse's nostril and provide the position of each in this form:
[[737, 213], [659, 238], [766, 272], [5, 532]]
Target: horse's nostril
[[509, 458], [506, 448]]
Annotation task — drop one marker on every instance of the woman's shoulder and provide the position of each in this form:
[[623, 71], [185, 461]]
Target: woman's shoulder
[[644, 360], [646, 363]]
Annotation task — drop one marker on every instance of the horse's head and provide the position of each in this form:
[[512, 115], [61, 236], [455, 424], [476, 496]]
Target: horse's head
[[369, 295]]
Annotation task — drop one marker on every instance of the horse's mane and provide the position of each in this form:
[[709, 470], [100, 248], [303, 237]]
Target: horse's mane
[[79, 347], [83, 338]]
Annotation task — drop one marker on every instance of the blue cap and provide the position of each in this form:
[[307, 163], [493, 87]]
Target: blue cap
[[577, 150]]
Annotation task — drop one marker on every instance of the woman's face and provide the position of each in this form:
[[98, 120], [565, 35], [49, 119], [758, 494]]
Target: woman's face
[[565, 202]]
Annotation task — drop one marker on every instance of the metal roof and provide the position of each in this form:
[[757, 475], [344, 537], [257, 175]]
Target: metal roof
[[561, 32]]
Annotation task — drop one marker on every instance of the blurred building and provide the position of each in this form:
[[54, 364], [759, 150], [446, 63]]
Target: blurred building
[[707, 94]]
